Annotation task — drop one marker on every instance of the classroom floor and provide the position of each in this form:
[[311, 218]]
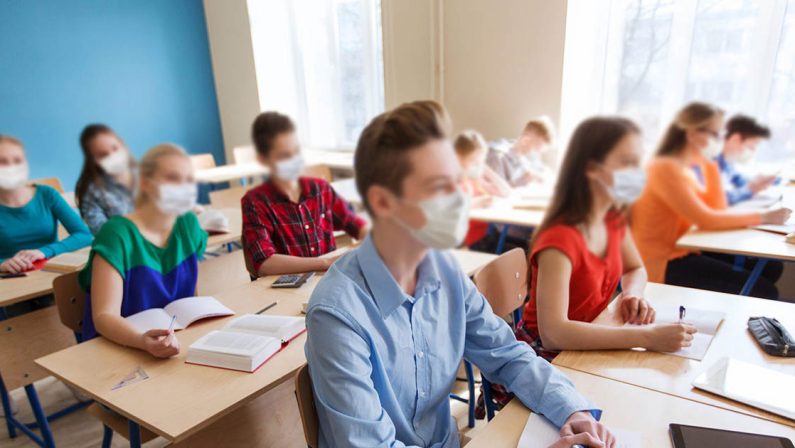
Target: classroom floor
[[81, 430]]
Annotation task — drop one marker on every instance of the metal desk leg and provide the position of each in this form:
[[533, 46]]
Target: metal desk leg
[[503, 237], [755, 273], [135, 434]]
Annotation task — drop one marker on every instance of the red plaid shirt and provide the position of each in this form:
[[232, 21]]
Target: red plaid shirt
[[272, 224]]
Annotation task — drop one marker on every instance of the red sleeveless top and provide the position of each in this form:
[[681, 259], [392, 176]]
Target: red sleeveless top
[[593, 279]]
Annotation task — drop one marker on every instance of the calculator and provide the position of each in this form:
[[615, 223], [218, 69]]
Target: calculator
[[292, 280]]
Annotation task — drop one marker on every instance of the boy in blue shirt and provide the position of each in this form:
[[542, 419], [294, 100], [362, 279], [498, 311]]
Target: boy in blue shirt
[[743, 134], [390, 321]]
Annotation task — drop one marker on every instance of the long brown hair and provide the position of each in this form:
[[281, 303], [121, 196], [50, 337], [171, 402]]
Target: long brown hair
[[591, 142], [695, 115], [91, 172]]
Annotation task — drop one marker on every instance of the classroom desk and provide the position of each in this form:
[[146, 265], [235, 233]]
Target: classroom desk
[[35, 284], [39, 283], [672, 374], [168, 403], [631, 408], [227, 173]]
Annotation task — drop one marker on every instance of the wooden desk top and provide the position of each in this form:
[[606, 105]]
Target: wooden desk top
[[35, 284], [631, 408], [342, 160], [168, 403], [178, 399], [674, 375], [39, 283], [515, 211], [226, 173], [749, 242]]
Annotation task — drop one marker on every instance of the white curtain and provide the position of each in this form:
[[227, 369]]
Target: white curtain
[[644, 59], [320, 61]]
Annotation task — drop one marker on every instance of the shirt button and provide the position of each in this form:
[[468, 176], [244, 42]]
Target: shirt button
[[420, 354], [306, 226], [322, 215], [311, 249], [422, 393]]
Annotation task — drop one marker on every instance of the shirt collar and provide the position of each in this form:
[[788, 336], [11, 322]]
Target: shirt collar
[[277, 195], [387, 294]]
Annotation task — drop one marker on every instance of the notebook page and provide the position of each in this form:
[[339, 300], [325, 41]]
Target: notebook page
[[705, 321], [540, 433], [152, 319], [191, 309]]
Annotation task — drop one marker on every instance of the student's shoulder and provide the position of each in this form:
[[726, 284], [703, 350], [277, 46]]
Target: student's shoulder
[[47, 193], [256, 193], [664, 166], [563, 237], [116, 230]]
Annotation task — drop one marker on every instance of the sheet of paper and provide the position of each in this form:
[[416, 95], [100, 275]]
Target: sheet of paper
[[698, 349], [541, 433], [191, 309], [152, 319]]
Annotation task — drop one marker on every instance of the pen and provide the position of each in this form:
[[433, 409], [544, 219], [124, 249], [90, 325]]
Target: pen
[[682, 312], [267, 307], [171, 325]]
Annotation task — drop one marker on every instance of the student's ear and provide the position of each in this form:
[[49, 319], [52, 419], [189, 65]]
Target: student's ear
[[382, 201], [593, 170]]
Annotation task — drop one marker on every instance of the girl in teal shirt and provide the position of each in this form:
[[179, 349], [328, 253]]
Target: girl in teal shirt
[[29, 215]]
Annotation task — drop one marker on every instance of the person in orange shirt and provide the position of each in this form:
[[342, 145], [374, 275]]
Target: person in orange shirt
[[480, 182], [676, 198]]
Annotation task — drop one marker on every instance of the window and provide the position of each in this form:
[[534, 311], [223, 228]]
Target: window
[[650, 57], [320, 61]]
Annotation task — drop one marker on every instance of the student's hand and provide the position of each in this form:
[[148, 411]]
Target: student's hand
[[160, 343], [761, 183], [776, 216], [583, 422], [583, 439], [21, 261], [635, 310], [670, 337]]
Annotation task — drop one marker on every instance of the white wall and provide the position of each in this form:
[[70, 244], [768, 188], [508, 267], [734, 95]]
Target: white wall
[[503, 62], [233, 66]]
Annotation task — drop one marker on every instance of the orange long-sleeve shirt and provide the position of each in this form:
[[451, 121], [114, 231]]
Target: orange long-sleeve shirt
[[672, 202]]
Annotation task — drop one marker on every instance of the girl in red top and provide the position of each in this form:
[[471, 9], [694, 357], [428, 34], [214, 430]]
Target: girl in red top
[[582, 251], [480, 182]]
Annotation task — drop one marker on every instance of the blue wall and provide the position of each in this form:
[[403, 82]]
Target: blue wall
[[140, 66]]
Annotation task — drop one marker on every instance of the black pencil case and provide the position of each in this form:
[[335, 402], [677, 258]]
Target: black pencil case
[[772, 336]]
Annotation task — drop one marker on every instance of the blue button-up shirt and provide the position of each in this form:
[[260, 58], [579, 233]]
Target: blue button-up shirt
[[382, 362], [734, 182]]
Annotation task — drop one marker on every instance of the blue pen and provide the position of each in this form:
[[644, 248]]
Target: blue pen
[[171, 325], [682, 312]]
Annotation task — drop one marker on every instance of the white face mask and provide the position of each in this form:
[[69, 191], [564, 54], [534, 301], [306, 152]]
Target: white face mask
[[446, 221], [177, 199], [13, 176], [475, 171], [115, 163], [628, 184], [745, 156], [290, 169], [713, 149]]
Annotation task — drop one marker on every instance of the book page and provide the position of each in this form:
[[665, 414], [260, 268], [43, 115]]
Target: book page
[[191, 309], [281, 327], [232, 343], [152, 319], [541, 433]]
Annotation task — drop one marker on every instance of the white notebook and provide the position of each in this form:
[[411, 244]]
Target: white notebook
[[540, 433], [187, 311], [246, 342], [705, 321]]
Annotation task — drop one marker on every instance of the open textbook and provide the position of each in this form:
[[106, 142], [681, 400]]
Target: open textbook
[[187, 311], [706, 322], [246, 342], [541, 433]]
